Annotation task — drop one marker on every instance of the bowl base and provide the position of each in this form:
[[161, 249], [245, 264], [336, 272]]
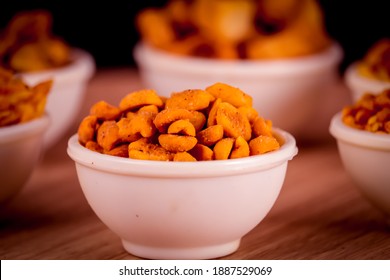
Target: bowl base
[[204, 252]]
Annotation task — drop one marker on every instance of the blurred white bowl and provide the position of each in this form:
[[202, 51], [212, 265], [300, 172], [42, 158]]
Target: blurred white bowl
[[287, 91], [181, 210], [366, 158], [359, 85], [67, 94], [20, 150]]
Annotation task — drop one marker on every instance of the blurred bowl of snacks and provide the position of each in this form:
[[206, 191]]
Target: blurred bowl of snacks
[[30, 50], [362, 131], [184, 177], [23, 123], [192, 45], [371, 73]]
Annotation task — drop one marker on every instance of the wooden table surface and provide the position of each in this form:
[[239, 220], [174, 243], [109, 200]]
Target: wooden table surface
[[319, 214]]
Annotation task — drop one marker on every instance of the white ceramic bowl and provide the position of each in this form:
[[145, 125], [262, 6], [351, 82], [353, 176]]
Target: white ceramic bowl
[[20, 150], [359, 85], [67, 94], [181, 210], [287, 91], [366, 158]]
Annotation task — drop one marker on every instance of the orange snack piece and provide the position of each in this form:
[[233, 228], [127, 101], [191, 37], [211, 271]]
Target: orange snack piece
[[262, 127], [93, 146], [201, 152], [177, 143], [191, 99], [229, 94], [167, 116], [240, 148], [105, 111], [137, 99], [87, 129], [263, 144], [143, 149], [210, 135], [233, 122], [223, 148], [107, 135], [119, 151], [183, 127], [183, 156]]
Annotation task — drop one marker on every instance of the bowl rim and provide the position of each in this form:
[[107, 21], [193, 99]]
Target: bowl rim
[[146, 56], [165, 169], [81, 67], [357, 137], [23, 130]]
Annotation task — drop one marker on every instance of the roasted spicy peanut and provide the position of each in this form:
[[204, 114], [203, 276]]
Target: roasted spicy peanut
[[223, 148], [183, 127], [263, 144], [105, 111], [183, 156], [233, 122], [191, 99], [240, 149], [177, 143], [107, 135], [201, 152], [210, 135], [229, 94], [87, 129], [137, 99]]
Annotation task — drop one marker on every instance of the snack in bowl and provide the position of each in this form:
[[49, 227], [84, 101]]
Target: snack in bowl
[[23, 123], [27, 43], [231, 29], [184, 177], [370, 113], [192, 44], [362, 131], [20, 103], [372, 72], [30, 49], [216, 123]]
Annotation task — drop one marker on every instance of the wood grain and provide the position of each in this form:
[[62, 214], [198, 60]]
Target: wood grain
[[319, 214]]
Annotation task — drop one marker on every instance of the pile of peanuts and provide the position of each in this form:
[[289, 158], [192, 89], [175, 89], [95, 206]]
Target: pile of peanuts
[[376, 62], [20, 103], [371, 113], [27, 43], [217, 123], [236, 29]]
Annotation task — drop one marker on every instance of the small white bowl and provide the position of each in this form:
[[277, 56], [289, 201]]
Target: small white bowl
[[181, 210], [287, 91], [359, 85], [67, 94], [366, 158], [20, 150]]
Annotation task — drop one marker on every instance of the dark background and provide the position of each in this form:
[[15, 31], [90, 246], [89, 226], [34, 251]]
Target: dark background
[[106, 29]]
